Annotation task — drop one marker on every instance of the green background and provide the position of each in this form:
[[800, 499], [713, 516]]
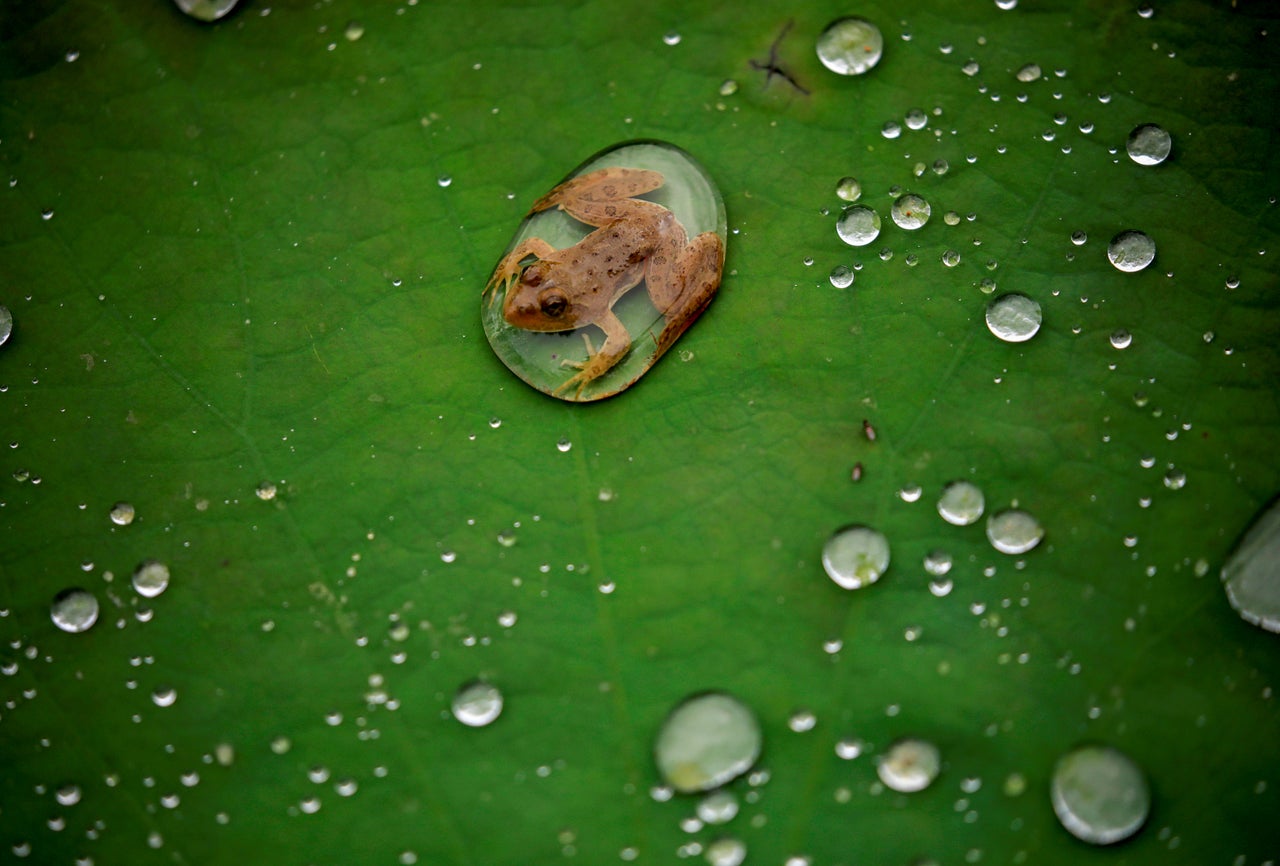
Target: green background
[[252, 274]]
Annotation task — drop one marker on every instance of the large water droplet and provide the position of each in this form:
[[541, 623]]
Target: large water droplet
[[1131, 251], [1149, 144], [1014, 318], [477, 704], [706, 741], [74, 610], [910, 211], [151, 578], [1013, 531], [856, 556], [961, 503], [6, 324], [206, 10], [910, 765], [1099, 794], [1251, 574], [850, 46], [858, 225]]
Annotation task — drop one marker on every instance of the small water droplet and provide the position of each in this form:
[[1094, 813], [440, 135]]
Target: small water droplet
[[858, 225], [1131, 251], [961, 504], [891, 129], [848, 189], [74, 610], [353, 31], [1013, 531], [671, 37], [971, 68], [1029, 73], [122, 514], [718, 807], [1014, 318], [206, 10], [728, 87], [841, 277], [164, 696], [563, 445], [802, 721], [1099, 794], [1120, 338], [909, 765], [707, 740], [266, 491], [856, 556], [910, 211], [937, 562], [726, 851], [444, 180], [916, 118], [477, 704], [6, 324], [1175, 479], [150, 578], [850, 46], [1149, 144], [950, 258]]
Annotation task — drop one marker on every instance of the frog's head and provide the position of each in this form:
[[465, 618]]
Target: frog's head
[[536, 301]]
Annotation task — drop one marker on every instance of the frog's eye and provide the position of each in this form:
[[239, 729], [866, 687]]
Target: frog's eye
[[553, 304]]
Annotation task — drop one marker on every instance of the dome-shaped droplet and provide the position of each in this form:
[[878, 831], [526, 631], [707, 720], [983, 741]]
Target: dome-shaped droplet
[[6, 324], [1131, 251], [858, 225], [1014, 318], [122, 514], [1251, 574], [477, 704], [206, 10], [1120, 338], [706, 741], [856, 556], [937, 562], [1030, 72], [74, 610], [850, 46], [151, 578], [718, 807], [726, 851], [961, 503], [1149, 144], [1013, 531], [841, 276], [910, 211], [1099, 794], [848, 189], [910, 765]]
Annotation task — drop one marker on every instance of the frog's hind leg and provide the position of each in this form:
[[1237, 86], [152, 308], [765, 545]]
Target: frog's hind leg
[[601, 196], [682, 280]]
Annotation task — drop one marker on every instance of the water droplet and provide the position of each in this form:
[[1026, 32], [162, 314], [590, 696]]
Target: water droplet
[[507, 538], [1013, 531], [563, 445], [266, 491], [728, 87], [122, 514], [477, 704], [971, 68], [1251, 574], [1099, 794], [671, 37], [444, 181], [507, 618], [937, 562], [891, 129], [802, 721], [1131, 251], [206, 10], [856, 556], [961, 504], [1145, 11], [1006, 5], [841, 277], [718, 807], [1149, 144], [1079, 238], [941, 167], [6, 324], [1014, 318], [940, 587], [74, 610], [164, 696], [1029, 73], [726, 851], [848, 189], [67, 795], [910, 211], [950, 258], [346, 786], [849, 748], [1175, 479], [858, 225], [707, 740], [910, 492], [910, 765], [150, 578], [916, 119], [353, 31], [850, 46]]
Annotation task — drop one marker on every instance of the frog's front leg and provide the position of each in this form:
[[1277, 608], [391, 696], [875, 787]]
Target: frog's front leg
[[617, 342], [682, 278], [509, 268]]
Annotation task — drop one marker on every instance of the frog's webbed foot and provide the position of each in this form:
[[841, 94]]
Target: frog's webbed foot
[[509, 269], [599, 362]]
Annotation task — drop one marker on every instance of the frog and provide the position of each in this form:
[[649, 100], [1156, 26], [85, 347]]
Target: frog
[[633, 241]]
